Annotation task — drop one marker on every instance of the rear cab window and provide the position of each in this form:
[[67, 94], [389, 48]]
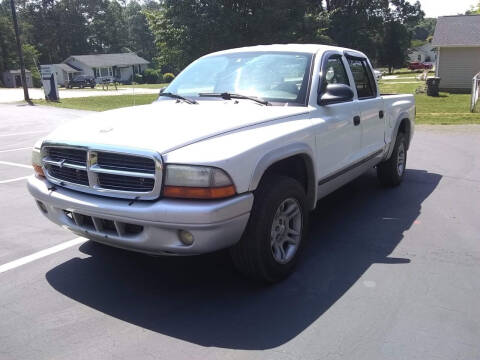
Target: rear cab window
[[363, 78]]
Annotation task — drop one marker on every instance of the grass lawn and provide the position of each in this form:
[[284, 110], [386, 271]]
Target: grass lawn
[[446, 109], [144, 86], [101, 103]]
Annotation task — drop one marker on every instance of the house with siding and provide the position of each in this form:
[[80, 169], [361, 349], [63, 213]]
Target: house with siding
[[120, 67], [13, 78], [423, 53], [457, 39]]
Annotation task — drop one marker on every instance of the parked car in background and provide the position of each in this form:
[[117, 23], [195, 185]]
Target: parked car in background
[[249, 140], [82, 81], [417, 65]]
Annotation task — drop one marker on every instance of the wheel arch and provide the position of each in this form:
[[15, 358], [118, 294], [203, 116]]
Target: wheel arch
[[294, 160], [403, 125]]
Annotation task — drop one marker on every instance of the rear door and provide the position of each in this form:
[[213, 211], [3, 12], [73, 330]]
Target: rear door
[[370, 106]]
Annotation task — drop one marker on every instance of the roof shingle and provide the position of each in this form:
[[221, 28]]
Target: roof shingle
[[460, 30], [104, 60]]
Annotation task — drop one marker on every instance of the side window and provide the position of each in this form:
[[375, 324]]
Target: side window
[[363, 78], [335, 72]]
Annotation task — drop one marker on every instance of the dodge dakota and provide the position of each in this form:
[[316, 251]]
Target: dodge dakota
[[235, 153]]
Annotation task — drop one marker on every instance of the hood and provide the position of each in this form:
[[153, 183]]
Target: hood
[[167, 125]]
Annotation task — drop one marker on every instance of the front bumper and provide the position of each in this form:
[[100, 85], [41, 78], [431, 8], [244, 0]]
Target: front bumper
[[154, 225]]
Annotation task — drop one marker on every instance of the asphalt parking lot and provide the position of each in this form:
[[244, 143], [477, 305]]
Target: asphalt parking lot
[[387, 274]]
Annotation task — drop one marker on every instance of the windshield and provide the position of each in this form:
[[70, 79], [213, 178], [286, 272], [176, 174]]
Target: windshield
[[273, 76]]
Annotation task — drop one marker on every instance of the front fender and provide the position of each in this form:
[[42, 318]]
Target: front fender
[[278, 154]]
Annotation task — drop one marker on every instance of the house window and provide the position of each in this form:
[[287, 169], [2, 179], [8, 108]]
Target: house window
[[136, 69], [104, 72]]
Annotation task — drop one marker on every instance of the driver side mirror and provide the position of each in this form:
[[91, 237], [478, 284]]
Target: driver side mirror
[[162, 89], [335, 93]]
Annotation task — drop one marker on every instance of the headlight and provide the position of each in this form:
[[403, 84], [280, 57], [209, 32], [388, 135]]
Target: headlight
[[37, 159], [197, 182]]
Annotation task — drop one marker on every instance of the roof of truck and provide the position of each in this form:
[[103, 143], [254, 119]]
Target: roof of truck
[[303, 48]]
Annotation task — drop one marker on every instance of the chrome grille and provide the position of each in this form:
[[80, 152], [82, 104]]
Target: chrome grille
[[72, 156], [104, 171], [126, 162], [124, 183], [68, 174]]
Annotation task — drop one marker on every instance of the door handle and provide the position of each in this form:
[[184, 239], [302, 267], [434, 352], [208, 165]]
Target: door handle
[[356, 120], [380, 114]]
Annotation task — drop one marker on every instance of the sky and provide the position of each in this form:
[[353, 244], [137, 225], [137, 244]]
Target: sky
[[435, 8]]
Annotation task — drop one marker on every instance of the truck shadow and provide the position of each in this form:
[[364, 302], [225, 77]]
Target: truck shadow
[[204, 301]]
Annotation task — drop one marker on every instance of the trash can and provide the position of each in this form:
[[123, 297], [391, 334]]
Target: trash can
[[433, 84]]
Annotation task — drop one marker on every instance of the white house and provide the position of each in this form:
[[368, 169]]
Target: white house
[[423, 53], [65, 73], [457, 39], [13, 78], [120, 67]]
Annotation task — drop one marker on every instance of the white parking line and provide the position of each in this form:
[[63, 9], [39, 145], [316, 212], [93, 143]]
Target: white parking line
[[42, 253], [10, 150], [15, 164], [24, 133], [13, 180]]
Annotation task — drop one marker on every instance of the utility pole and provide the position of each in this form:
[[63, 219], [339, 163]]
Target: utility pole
[[20, 52]]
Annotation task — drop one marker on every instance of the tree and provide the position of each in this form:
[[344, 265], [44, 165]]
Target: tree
[[474, 10], [7, 39], [187, 29], [140, 38], [395, 43], [422, 30]]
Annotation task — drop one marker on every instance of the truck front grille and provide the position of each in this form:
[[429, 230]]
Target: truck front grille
[[103, 172], [125, 183], [126, 162], [72, 156], [74, 176]]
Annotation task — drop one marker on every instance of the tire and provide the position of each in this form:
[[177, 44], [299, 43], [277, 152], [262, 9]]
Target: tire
[[259, 254], [392, 171]]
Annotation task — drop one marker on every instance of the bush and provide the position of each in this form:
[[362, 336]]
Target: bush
[[138, 78], [168, 77], [36, 79], [152, 76]]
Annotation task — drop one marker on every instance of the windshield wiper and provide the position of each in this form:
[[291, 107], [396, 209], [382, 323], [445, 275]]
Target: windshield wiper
[[178, 97], [230, 96]]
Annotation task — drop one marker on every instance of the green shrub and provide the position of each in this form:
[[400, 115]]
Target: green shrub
[[138, 78], [168, 77], [152, 76]]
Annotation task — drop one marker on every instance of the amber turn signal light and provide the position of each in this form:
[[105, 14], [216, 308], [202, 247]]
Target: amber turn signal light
[[38, 170], [184, 192]]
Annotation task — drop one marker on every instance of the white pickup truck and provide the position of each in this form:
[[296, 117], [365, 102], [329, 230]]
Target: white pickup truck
[[234, 154]]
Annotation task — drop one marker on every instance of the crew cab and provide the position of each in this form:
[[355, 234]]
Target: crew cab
[[235, 153]]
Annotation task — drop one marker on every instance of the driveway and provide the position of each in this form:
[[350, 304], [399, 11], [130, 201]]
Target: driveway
[[16, 95], [387, 273]]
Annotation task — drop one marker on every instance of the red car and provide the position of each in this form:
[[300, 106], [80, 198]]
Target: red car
[[416, 65]]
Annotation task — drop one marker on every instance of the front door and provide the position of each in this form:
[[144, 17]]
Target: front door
[[18, 81], [338, 138]]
